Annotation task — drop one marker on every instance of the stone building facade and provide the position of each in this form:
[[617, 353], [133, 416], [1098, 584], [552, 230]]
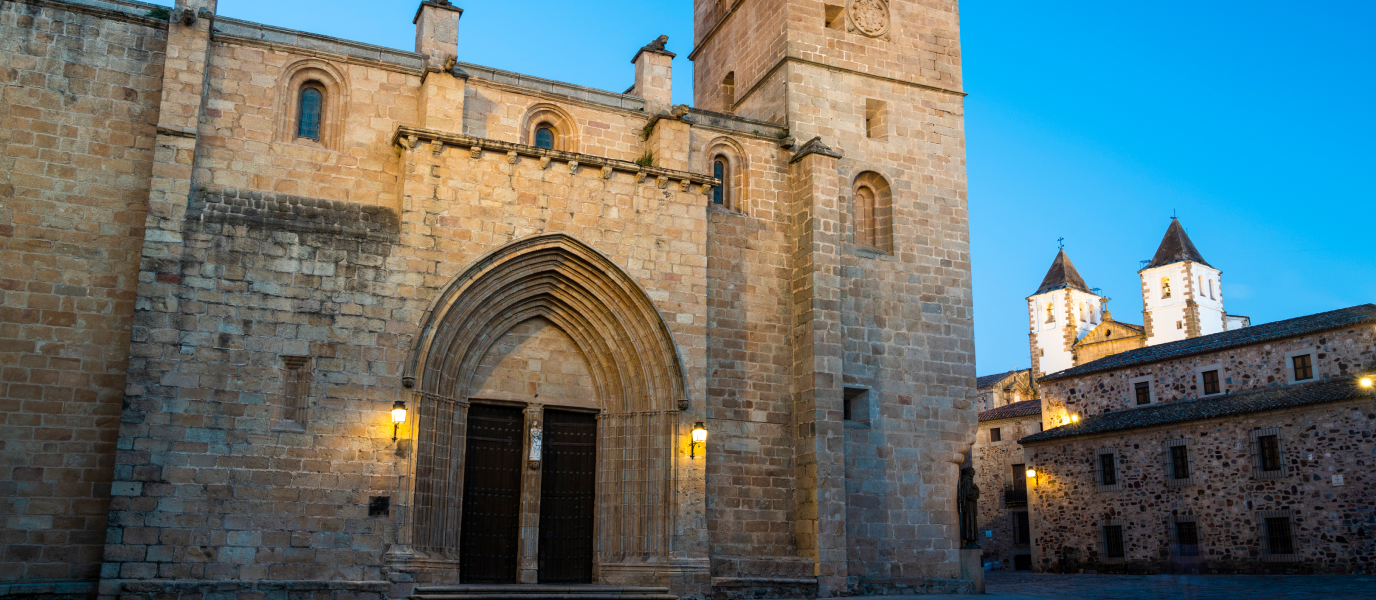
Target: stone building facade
[[232, 252], [1000, 471], [1005, 388], [1240, 452]]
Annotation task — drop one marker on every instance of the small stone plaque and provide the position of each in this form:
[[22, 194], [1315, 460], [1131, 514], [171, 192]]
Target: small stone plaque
[[1337, 480]]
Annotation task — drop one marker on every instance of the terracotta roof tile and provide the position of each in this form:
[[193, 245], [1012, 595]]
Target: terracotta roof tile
[[1026, 408]]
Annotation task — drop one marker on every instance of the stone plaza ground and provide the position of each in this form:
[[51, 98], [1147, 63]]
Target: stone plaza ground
[[1006, 585]]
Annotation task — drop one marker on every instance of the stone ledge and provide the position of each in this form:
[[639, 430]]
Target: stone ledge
[[302, 215], [409, 137], [256, 33], [117, 10], [549, 86]]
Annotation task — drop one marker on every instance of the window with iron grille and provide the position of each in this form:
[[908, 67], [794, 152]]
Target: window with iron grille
[[1108, 469], [1180, 462], [1210, 379], [1177, 464], [1269, 450], [1187, 538], [1143, 393], [1304, 367], [1279, 540], [1113, 541]]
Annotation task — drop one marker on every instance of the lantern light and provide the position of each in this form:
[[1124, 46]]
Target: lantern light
[[1074, 418], [398, 417], [1031, 472], [1367, 382], [699, 437]]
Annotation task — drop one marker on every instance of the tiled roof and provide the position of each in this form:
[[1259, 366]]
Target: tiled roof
[[1175, 247], [1265, 399], [1061, 275], [1026, 408], [988, 380], [1256, 334]]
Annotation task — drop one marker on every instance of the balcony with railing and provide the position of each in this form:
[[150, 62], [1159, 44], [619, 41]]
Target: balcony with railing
[[1012, 497]]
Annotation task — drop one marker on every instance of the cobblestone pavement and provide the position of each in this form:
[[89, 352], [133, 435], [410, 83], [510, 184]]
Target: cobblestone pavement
[[1033, 586]]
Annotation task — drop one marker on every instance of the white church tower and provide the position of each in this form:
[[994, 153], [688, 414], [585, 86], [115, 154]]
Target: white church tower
[[1182, 295], [1061, 312]]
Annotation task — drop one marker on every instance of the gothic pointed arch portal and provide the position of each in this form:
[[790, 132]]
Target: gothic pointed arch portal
[[628, 360]]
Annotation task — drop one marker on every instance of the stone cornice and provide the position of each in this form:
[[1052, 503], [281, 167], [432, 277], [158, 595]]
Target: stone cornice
[[814, 146], [787, 59], [408, 137], [96, 9]]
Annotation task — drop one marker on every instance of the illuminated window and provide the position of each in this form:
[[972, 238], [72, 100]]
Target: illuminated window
[[1165, 287], [1050, 312]]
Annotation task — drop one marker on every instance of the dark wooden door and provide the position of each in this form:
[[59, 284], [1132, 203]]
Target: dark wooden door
[[491, 495], [567, 494]]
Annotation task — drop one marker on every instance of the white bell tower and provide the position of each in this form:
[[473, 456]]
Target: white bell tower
[[1061, 312], [1182, 295]]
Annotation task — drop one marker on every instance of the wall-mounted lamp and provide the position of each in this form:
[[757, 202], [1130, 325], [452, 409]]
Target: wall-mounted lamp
[[398, 417], [1367, 382], [699, 437], [1074, 418], [1031, 473]]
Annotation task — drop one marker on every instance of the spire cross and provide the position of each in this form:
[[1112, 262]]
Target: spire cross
[[1062, 242]]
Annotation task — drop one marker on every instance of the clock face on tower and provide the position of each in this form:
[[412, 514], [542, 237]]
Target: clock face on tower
[[870, 17]]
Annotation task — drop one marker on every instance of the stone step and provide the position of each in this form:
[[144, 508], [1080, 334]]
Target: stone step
[[541, 592]]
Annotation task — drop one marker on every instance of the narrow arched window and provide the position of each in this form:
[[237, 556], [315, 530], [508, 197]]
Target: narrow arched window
[[1050, 312], [720, 171], [1165, 287], [728, 92], [544, 137], [309, 112], [1211, 290], [864, 217]]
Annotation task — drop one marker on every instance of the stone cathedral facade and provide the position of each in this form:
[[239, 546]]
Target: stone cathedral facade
[[291, 315]]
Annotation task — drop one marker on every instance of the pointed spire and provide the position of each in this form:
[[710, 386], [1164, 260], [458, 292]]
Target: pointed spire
[[1062, 275], [1175, 247]]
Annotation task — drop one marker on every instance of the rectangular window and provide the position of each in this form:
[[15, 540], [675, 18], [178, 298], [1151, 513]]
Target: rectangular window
[[995, 435], [1210, 379], [876, 119], [1108, 469], [1268, 450], [856, 405], [836, 16], [1113, 541], [1187, 538], [1180, 462], [1020, 477], [1278, 536], [1143, 390], [1304, 367]]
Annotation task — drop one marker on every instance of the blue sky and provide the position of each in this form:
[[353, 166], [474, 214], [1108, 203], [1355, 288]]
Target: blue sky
[[1093, 121]]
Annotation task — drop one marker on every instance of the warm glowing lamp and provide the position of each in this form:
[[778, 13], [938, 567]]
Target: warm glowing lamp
[[699, 437], [398, 417], [1031, 472], [1367, 382], [1074, 418]]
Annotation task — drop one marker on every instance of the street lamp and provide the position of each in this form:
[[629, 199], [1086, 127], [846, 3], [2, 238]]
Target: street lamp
[[398, 417], [699, 437]]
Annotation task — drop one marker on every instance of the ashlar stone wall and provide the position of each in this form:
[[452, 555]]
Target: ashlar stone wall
[[994, 473], [79, 97]]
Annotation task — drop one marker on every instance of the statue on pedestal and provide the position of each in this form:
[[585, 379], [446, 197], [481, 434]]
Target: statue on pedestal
[[967, 506]]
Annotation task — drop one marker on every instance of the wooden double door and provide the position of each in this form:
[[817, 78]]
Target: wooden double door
[[489, 542]]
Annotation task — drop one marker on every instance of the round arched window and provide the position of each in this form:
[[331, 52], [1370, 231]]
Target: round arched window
[[544, 137], [719, 171], [308, 119]]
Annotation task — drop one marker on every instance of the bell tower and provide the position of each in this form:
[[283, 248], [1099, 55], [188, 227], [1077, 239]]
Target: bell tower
[[1182, 295], [880, 303], [1060, 312]]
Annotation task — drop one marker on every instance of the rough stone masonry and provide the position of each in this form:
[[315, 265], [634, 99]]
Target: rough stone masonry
[[232, 252]]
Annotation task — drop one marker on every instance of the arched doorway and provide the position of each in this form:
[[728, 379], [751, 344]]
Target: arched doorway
[[549, 400]]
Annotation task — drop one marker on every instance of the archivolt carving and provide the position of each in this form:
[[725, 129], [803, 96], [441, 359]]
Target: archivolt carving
[[635, 367]]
